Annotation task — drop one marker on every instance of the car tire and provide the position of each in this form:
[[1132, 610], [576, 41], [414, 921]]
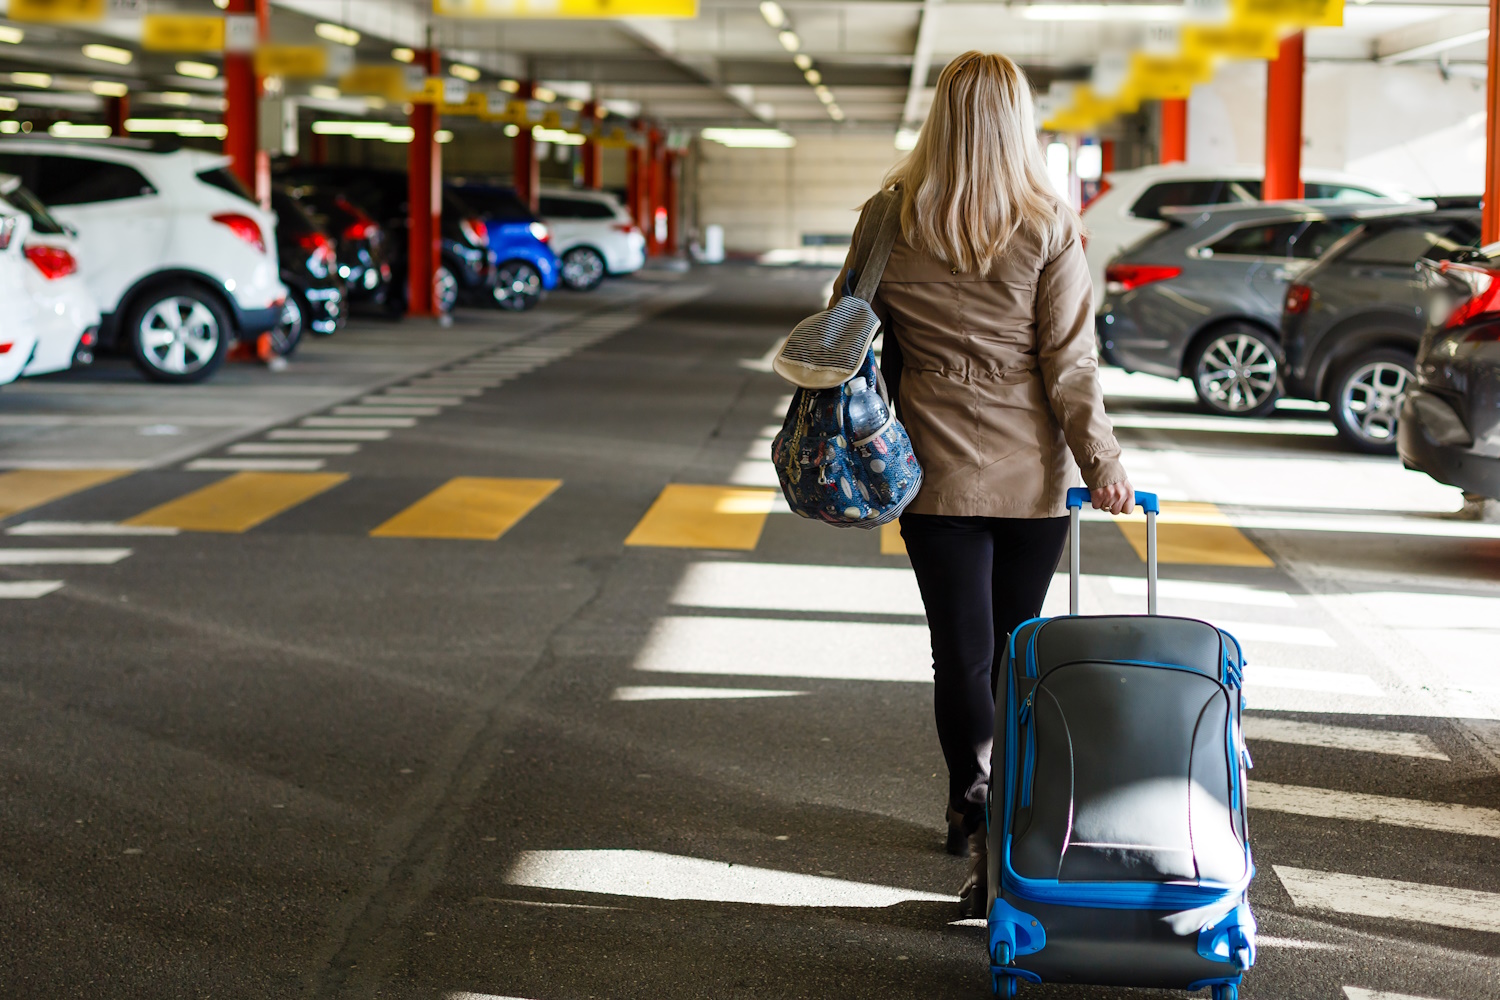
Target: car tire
[[287, 335], [518, 286], [1236, 371], [444, 290], [178, 333], [1365, 394], [583, 269]]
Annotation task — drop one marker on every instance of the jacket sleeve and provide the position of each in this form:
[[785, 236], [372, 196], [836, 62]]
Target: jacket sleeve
[[859, 232], [1065, 352]]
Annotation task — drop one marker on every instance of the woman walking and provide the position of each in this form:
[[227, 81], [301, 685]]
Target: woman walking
[[987, 297]]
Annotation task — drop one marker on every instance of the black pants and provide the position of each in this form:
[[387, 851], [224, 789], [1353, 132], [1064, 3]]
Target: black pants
[[980, 577]]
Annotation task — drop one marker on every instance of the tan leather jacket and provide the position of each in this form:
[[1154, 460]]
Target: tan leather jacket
[[1000, 380]]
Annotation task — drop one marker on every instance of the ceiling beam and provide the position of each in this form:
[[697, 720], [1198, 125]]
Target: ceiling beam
[[921, 64], [660, 38], [1430, 39]]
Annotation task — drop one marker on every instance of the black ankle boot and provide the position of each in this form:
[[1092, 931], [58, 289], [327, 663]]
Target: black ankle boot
[[973, 897], [958, 840]]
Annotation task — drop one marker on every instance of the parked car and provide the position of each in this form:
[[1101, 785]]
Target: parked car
[[18, 328], [1203, 296], [66, 318], [465, 270], [525, 265], [1352, 322], [177, 255], [359, 242], [592, 235], [1130, 209], [1450, 422], [309, 268]]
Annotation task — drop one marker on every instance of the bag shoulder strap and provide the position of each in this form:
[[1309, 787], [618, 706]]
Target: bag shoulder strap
[[872, 263]]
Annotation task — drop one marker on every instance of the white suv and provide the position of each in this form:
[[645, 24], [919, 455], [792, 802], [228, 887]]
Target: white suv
[[592, 235], [64, 315], [179, 257], [1130, 210]]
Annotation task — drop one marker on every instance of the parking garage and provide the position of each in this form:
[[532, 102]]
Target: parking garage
[[398, 597]]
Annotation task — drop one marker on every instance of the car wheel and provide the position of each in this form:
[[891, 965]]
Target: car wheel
[[1365, 398], [179, 333], [583, 269], [518, 286], [1236, 371], [288, 333], [444, 290]]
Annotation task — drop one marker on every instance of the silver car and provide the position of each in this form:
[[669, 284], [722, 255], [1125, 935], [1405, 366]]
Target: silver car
[[1203, 298]]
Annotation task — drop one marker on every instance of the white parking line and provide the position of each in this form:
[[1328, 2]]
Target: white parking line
[[1310, 734], [71, 528], [1355, 993], [261, 448], [359, 423], [62, 557], [291, 434], [369, 410], [796, 587], [255, 465], [1282, 635], [1331, 681], [1420, 814], [28, 590], [695, 693], [1384, 899], [413, 400], [1195, 590], [751, 647], [413, 390]]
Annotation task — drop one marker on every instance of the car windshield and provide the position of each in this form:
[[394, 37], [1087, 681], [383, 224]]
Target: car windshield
[[497, 203], [41, 220]]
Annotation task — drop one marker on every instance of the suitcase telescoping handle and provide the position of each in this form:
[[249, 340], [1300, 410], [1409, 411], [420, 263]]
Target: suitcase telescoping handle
[[1077, 497]]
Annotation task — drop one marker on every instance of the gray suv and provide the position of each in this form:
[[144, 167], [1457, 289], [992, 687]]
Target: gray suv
[[1203, 298]]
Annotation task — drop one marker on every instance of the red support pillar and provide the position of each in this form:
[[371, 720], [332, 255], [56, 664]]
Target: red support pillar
[[1490, 224], [656, 184], [424, 167], [592, 153], [527, 171], [1106, 163], [1174, 130], [670, 196], [116, 112], [242, 107], [635, 186], [1284, 122]]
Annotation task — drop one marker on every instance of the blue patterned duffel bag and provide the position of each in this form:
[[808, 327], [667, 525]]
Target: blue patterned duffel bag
[[843, 457]]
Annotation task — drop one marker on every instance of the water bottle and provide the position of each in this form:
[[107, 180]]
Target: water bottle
[[867, 411]]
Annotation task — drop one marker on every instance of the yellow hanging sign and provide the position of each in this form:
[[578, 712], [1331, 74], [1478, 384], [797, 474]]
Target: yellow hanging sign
[[1239, 40], [292, 61], [182, 33], [56, 11], [1290, 13], [394, 83], [595, 9]]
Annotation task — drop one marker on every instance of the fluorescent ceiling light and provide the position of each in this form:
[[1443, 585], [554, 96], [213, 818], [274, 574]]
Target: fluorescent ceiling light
[[109, 88], [336, 33], [772, 12], [509, 86], [324, 92], [512, 130], [824, 94], [557, 136], [10, 128], [813, 77], [544, 94], [109, 54], [750, 138], [10, 35], [465, 72], [789, 40], [575, 104], [177, 97], [443, 137], [1101, 12], [404, 55], [906, 139], [192, 127], [41, 80], [803, 61], [67, 130], [1436, 48], [835, 112], [198, 70], [366, 130], [9, 104]]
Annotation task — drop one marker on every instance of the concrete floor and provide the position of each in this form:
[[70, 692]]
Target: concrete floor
[[296, 760]]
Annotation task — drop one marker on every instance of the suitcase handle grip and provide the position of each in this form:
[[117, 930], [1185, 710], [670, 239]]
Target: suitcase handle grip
[[1077, 497]]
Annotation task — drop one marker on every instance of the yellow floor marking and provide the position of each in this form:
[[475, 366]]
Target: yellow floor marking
[[891, 542], [239, 502], [1193, 533], [24, 489], [469, 507], [705, 517]]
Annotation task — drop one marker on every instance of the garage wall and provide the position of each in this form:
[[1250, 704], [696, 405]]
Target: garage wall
[[768, 199], [1404, 125]]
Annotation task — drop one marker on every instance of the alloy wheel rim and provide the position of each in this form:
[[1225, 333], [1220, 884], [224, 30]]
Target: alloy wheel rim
[[445, 289], [518, 282], [1238, 372], [1372, 398], [289, 328], [582, 267], [179, 335]]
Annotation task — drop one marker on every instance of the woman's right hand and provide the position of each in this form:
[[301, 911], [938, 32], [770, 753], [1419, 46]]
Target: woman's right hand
[[1118, 498]]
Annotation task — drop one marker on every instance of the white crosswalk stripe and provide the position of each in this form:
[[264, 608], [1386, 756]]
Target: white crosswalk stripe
[[1331, 681], [1355, 993], [751, 647], [696, 693], [1443, 817], [28, 590], [84, 528], [1385, 899], [1383, 741], [62, 557], [255, 465]]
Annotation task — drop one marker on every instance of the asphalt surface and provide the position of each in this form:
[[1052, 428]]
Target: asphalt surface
[[300, 761]]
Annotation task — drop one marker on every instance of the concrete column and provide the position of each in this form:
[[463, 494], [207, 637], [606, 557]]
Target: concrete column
[[592, 153], [1491, 214], [1174, 130], [424, 168], [528, 172], [116, 111], [242, 107], [1284, 122]]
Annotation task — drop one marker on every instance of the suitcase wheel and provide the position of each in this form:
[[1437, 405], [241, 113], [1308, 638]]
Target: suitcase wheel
[[1226, 991], [1007, 986]]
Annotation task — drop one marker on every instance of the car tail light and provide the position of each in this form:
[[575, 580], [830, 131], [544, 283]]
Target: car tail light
[[475, 231], [1484, 297], [1126, 277], [322, 257], [244, 227], [627, 228], [1298, 298], [5, 346], [541, 232], [53, 262], [7, 232], [360, 229]]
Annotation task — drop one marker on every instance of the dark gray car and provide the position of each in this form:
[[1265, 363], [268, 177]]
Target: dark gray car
[[1450, 423], [1203, 298], [1353, 320]]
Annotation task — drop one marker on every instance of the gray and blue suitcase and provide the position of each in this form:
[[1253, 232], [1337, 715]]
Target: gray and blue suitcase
[[1118, 851]]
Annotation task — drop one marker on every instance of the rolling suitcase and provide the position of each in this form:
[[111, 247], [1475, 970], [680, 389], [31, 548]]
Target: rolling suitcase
[[1118, 850]]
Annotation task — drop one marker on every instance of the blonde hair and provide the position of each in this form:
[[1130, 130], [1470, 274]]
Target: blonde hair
[[976, 179]]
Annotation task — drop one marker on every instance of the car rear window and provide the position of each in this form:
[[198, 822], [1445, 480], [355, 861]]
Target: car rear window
[[291, 218], [1403, 246], [575, 208], [1173, 194], [41, 220], [1300, 239], [1339, 192], [497, 203], [226, 180], [72, 180]]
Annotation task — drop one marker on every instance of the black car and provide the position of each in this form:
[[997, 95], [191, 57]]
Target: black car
[[1352, 322], [1450, 422], [309, 269], [361, 243], [466, 270]]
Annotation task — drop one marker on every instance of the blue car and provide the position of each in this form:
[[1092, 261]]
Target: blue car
[[525, 266]]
